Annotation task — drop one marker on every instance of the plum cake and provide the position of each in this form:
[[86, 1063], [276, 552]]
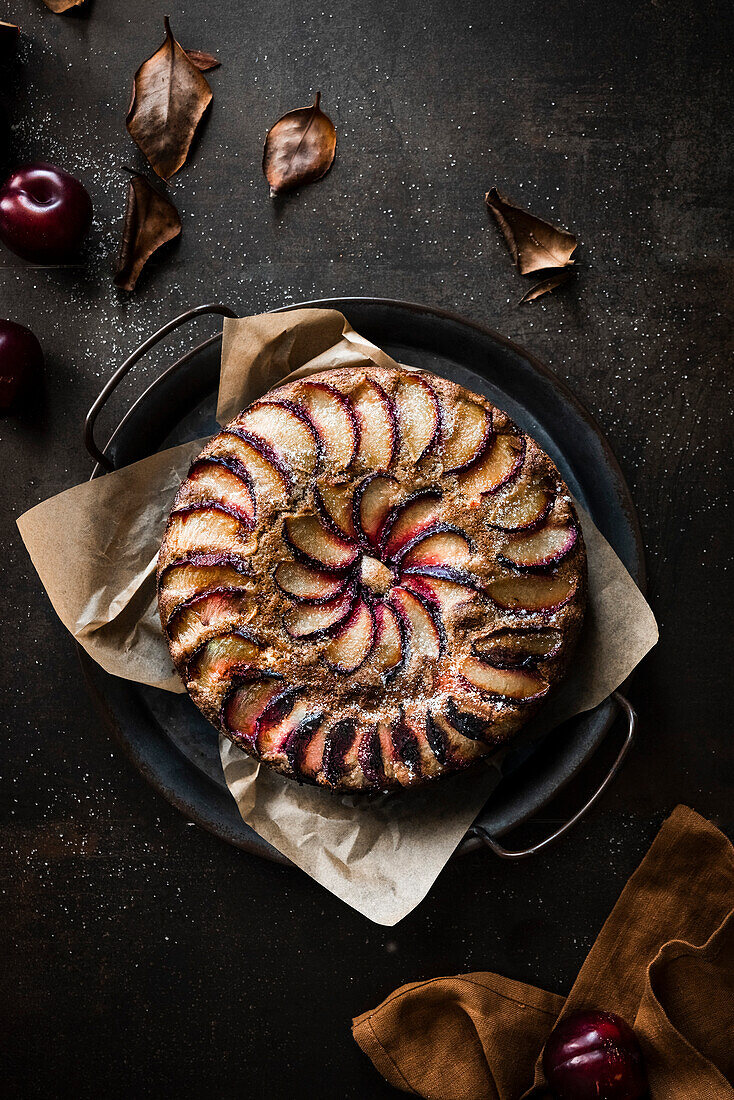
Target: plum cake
[[371, 578]]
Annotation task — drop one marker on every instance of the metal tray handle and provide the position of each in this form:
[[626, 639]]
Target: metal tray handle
[[89, 440], [523, 853]]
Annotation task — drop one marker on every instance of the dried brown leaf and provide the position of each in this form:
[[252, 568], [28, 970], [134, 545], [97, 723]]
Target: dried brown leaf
[[534, 244], [299, 148], [170, 96], [60, 6], [204, 61], [550, 283], [151, 220]]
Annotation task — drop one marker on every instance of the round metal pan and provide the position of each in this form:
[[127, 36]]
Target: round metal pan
[[164, 734]]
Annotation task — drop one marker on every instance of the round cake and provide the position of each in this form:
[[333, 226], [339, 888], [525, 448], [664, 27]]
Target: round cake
[[371, 578]]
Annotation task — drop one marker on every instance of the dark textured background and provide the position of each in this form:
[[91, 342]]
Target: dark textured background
[[141, 956]]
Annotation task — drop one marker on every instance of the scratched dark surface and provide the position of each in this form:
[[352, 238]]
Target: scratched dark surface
[[141, 956]]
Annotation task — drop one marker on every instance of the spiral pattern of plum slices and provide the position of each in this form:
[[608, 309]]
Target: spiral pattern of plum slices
[[370, 579]]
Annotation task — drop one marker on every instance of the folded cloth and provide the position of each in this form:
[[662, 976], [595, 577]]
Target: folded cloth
[[664, 961]]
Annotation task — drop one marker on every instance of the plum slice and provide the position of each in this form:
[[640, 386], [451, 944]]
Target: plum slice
[[510, 683], [207, 613], [336, 505], [207, 527], [374, 500], [317, 545], [332, 415], [446, 546], [305, 584], [412, 752], [311, 751], [388, 654], [339, 742], [214, 661], [523, 506], [189, 575], [251, 693], [284, 721], [220, 479], [541, 549], [445, 593], [426, 637], [286, 429], [378, 435], [409, 520], [317, 620], [269, 477], [497, 467], [468, 438], [518, 647], [450, 746], [528, 593], [418, 414], [353, 642], [370, 757]]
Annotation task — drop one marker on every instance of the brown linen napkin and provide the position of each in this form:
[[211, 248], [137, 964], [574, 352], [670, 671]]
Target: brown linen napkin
[[664, 961]]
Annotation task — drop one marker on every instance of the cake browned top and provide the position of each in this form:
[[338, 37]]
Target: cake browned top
[[371, 578]]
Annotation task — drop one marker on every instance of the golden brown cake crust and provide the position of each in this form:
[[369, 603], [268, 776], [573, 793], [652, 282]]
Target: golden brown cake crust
[[371, 578]]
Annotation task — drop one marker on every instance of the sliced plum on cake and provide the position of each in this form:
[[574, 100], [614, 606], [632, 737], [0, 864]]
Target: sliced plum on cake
[[353, 641], [451, 747], [269, 477], [306, 584], [251, 693], [424, 630], [419, 416], [528, 593], [317, 545], [287, 431], [446, 596], [311, 621], [222, 480], [524, 506], [335, 421], [541, 549], [205, 615], [409, 521], [391, 645], [373, 503], [215, 662], [339, 753], [507, 683], [496, 467], [518, 647], [468, 435], [193, 574], [207, 528], [441, 551], [376, 417], [286, 726], [335, 504]]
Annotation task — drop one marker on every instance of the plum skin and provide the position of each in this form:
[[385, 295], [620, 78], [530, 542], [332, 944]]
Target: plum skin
[[45, 214], [593, 1055], [21, 359]]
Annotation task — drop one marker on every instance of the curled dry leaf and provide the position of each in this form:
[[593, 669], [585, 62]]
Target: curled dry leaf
[[204, 61], [170, 96], [550, 283], [150, 221], [60, 6], [534, 244], [300, 148]]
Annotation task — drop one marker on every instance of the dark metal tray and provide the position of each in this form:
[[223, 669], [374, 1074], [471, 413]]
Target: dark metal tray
[[164, 734]]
